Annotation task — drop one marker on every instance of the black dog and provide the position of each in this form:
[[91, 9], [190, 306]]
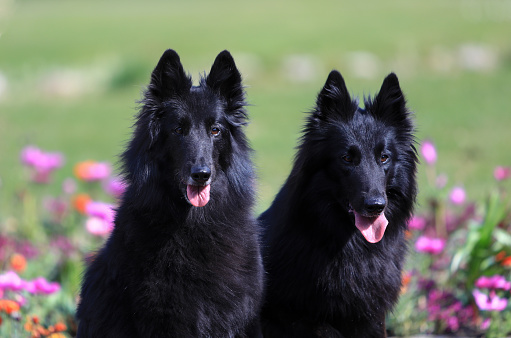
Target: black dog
[[334, 236], [183, 259]]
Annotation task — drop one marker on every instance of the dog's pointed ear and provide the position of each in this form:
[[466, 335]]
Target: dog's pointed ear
[[168, 77], [390, 103], [225, 79], [334, 99]]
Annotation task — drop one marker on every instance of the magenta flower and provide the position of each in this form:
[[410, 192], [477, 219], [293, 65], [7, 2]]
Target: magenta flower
[[502, 173], [34, 157], [101, 210], [493, 282], [428, 151], [41, 286], [43, 163], [457, 195], [490, 302], [417, 223], [115, 186], [429, 245], [11, 281]]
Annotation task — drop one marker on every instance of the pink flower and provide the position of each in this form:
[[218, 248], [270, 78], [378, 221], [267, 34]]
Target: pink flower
[[69, 186], [10, 281], [490, 302], [417, 223], [41, 286], [441, 181], [485, 324], [457, 195], [92, 171], [502, 173], [493, 282], [43, 163], [98, 226], [101, 210], [428, 152], [34, 157], [115, 186], [101, 220], [429, 245]]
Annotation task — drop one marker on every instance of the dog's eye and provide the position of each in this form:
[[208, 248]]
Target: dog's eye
[[347, 158], [178, 130], [384, 158], [215, 131]]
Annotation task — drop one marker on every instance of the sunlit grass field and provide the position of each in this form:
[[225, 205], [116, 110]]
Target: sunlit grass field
[[73, 71]]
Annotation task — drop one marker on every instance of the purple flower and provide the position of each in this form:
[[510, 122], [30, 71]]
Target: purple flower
[[493, 282], [490, 302], [417, 223], [428, 152], [429, 245], [443, 306], [502, 173], [457, 195]]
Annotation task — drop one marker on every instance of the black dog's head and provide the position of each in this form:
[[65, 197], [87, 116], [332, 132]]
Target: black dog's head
[[184, 133], [370, 153]]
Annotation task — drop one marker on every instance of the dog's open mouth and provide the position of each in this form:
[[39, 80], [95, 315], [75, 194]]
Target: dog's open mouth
[[198, 195], [371, 227]]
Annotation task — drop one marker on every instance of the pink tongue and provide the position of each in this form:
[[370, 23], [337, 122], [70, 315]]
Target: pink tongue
[[372, 228], [197, 195]]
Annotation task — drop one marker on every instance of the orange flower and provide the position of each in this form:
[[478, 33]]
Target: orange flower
[[92, 171], [59, 327], [506, 262], [405, 280], [18, 262], [408, 234], [9, 306], [500, 256], [56, 335], [42, 331], [81, 170], [80, 202], [502, 259]]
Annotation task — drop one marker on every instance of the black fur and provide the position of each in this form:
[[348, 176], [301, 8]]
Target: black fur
[[170, 269], [324, 278]]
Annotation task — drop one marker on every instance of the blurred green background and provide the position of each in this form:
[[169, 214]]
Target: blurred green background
[[72, 71]]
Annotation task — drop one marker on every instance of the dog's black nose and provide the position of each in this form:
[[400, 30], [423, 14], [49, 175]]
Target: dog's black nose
[[374, 205], [200, 174]]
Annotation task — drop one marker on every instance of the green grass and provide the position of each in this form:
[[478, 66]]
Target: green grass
[[117, 43]]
